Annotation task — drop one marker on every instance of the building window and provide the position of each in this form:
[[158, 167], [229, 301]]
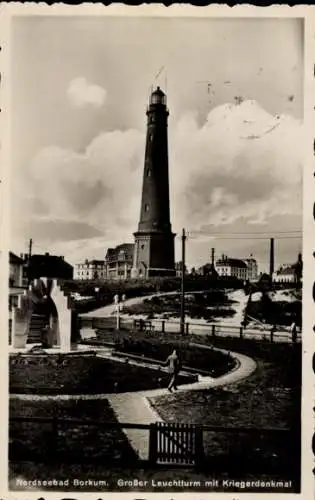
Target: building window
[[146, 207], [148, 172]]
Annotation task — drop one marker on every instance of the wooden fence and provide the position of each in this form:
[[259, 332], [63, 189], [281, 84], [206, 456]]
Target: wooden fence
[[176, 443], [169, 443]]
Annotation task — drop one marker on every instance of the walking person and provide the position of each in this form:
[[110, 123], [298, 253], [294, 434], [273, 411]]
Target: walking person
[[293, 329], [174, 367]]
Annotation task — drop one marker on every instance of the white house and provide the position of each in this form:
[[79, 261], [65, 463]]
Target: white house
[[16, 270], [230, 267], [286, 274], [252, 269], [89, 270]]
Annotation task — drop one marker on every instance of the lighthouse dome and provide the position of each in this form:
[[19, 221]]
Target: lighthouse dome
[[158, 97]]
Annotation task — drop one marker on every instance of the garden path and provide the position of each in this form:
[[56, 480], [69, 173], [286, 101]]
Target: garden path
[[135, 407], [111, 308]]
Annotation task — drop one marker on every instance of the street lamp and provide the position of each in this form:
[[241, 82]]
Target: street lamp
[[117, 302]]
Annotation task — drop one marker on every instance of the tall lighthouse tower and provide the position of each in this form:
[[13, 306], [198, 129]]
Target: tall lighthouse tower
[[154, 240]]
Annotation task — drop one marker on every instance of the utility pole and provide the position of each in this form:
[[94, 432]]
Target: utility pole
[[28, 262], [212, 258], [30, 246], [272, 257], [182, 302]]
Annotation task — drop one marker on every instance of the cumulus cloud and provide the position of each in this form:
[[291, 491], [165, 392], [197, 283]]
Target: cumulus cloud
[[98, 187], [82, 93], [241, 164]]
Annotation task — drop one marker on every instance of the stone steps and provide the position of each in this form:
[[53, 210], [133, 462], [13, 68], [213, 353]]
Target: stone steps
[[37, 323]]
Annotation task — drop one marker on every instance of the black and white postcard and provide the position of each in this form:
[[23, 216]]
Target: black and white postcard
[[157, 245]]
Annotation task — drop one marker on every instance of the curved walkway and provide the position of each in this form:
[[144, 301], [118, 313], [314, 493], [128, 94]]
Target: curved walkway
[[111, 308], [135, 407]]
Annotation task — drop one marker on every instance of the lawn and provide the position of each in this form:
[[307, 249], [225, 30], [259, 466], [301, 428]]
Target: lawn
[[79, 442], [269, 398], [84, 375], [192, 356], [209, 305]]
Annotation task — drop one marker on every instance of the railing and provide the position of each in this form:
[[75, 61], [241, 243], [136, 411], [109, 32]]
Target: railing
[[157, 326]]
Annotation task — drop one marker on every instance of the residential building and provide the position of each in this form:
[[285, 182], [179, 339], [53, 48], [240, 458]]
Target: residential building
[[289, 273], [285, 274], [119, 262], [252, 268], [16, 270], [90, 270], [178, 269], [208, 270], [230, 267]]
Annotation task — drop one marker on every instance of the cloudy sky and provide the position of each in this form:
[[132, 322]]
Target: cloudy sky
[[80, 87]]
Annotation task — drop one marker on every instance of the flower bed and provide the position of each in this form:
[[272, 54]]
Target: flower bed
[[193, 356]]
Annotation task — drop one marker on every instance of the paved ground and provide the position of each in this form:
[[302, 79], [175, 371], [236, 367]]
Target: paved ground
[[135, 407]]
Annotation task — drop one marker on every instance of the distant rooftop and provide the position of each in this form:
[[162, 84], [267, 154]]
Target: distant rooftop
[[15, 259], [125, 248], [228, 261]]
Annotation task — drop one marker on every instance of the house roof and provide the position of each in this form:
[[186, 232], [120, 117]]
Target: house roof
[[286, 270], [231, 262], [112, 253], [52, 266], [14, 259], [95, 262]]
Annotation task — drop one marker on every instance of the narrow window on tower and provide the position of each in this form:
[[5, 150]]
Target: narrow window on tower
[[146, 207], [148, 172]]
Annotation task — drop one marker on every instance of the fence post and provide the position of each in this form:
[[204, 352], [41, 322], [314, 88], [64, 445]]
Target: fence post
[[152, 444], [213, 330], [199, 451], [163, 326], [187, 328]]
